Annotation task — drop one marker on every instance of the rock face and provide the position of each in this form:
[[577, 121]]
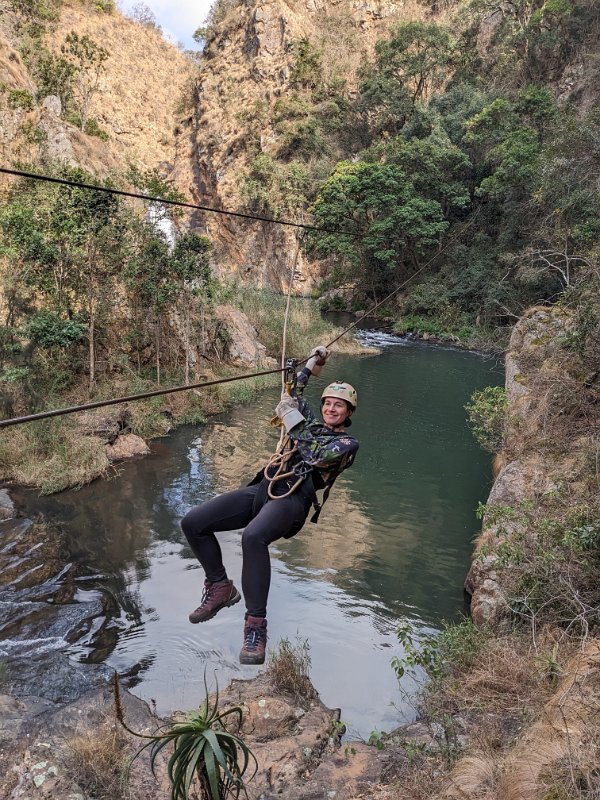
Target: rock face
[[244, 348], [245, 77], [43, 747], [7, 508], [144, 92], [546, 442]]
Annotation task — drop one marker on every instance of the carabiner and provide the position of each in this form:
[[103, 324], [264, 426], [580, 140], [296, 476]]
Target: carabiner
[[291, 377]]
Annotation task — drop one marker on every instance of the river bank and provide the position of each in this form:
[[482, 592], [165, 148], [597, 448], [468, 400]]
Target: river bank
[[515, 697], [70, 451]]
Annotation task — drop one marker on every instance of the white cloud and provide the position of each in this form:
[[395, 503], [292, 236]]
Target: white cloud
[[178, 20]]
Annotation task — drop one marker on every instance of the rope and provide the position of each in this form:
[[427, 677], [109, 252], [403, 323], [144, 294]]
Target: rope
[[287, 312], [181, 203], [58, 412]]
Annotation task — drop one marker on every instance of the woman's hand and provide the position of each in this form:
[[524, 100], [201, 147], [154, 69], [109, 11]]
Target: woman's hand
[[317, 359], [288, 412]]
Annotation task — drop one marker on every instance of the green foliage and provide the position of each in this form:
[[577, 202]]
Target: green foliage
[[548, 559], [415, 61], [18, 98], [307, 70], [53, 74], [275, 188], [454, 647], [87, 58], [92, 128], [530, 37], [377, 739], [152, 183], [105, 6], [390, 225], [438, 169], [487, 417], [47, 329], [207, 748], [14, 374], [35, 14]]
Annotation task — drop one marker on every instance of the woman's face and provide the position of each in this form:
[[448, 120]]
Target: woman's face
[[334, 412]]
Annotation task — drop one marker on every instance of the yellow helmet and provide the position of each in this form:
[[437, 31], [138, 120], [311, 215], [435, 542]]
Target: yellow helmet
[[341, 391]]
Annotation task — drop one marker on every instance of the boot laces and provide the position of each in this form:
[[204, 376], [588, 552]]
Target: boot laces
[[253, 638], [206, 593]]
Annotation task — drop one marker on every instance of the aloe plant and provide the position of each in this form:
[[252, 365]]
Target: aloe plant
[[203, 748]]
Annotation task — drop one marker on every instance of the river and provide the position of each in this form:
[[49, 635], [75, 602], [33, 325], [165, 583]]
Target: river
[[393, 542]]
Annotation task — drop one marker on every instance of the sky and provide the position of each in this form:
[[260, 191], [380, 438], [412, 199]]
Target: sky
[[178, 20]]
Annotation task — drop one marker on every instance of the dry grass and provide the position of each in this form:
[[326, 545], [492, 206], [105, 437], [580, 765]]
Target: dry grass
[[52, 455], [98, 763], [288, 670], [507, 676], [306, 327]]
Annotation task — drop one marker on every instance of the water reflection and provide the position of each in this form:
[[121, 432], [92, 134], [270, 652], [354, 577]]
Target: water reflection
[[393, 540]]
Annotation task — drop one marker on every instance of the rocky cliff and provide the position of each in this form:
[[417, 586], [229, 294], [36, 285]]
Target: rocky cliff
[[144, 90], [245, 78]]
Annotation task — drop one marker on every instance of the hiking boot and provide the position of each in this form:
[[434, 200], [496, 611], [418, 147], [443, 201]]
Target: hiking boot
[[215, 597], [255, 641]]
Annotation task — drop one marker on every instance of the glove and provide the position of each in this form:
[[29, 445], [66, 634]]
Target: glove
[[288, 412], [317, 359]]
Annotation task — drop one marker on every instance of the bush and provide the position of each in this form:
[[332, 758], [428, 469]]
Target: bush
[[18, 98], [487, 417], [93, 129], [289, 668], [47, 329]]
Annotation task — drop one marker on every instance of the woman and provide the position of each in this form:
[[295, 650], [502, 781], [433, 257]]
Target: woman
[[269, 510]]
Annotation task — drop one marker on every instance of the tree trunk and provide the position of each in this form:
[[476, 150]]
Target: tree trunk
[[157, 345], [92, 352], [187, 337]]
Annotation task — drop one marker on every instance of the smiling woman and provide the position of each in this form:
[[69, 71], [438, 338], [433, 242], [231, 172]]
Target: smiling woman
[[274, 505]]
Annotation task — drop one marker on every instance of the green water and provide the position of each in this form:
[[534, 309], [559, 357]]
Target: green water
[[393, 541]]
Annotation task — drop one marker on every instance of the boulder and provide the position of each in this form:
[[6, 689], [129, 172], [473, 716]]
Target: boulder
[[7, 508], [127, 447], [244, 347]]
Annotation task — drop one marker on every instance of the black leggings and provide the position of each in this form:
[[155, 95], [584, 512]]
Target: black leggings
[[279, 518]]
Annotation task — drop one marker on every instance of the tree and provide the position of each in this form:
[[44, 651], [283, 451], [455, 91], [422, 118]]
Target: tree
[[191, 266], [69, 247], [88, 58], [415, 61], [390, 226], [142, 13], [438, 169], [158, 278]]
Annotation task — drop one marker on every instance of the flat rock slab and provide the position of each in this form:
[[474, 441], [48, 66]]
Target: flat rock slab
[[7, 508]]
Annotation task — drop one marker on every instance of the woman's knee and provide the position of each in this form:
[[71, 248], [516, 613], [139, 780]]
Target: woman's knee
[[194, 523], [253, 539]]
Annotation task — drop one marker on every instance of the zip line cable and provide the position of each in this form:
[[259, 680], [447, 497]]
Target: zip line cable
[[158, 392], [57, 412], [181, 203]]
